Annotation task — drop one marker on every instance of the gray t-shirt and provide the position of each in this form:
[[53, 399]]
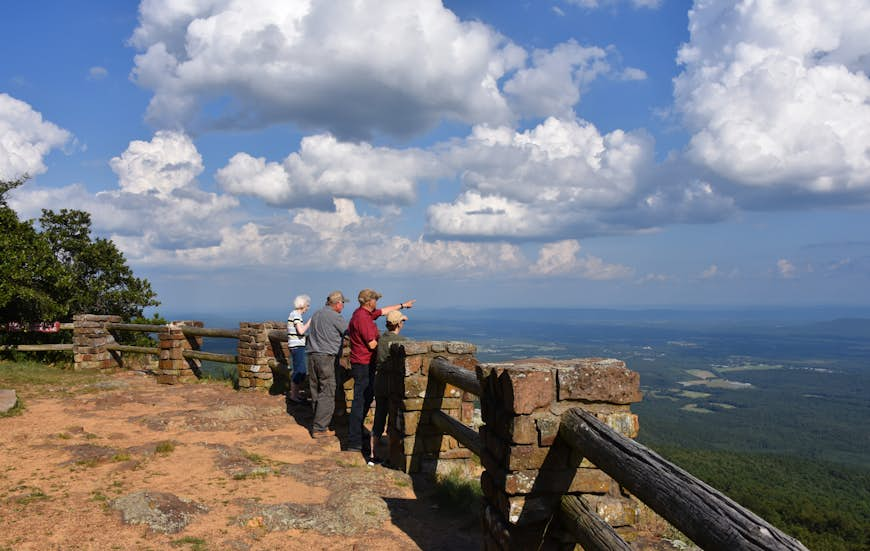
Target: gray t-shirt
[[326, 332]]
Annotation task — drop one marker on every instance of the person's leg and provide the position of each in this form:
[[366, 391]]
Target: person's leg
[[313, 382], [360, 385], [324, 406], [369, 394], [381, 405], [297, 353]]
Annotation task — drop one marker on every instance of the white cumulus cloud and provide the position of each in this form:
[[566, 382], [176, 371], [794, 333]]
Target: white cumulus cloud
[[560, 258], [785, 268], [559, 175], [351, 67], [25, 139], [324, 168], [776, 93]]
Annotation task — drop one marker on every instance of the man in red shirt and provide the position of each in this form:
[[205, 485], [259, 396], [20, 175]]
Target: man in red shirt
[[363, 335]]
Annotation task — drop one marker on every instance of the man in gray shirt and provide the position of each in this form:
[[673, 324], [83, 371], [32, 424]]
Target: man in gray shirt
[[325, 336]]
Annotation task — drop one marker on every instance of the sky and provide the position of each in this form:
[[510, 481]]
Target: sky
[[480, 153]]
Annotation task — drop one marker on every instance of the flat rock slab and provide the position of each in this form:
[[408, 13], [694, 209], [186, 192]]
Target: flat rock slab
[[8, 399], [160, 511]]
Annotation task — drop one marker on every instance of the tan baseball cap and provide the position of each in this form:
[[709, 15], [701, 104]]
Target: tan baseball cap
[[335, 297], [394, 317]]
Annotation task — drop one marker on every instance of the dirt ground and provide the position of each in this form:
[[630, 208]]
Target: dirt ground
[[121, 462]]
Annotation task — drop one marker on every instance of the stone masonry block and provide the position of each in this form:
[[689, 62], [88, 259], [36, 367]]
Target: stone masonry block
[[413, 364], [415, 347], [518, 429], [625, 424], [616, 511], [457, 347], [547, 426], [527, 388], [598, 380]]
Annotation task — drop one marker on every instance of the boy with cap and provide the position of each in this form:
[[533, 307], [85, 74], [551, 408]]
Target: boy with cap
[[363, 336], [395, 323]]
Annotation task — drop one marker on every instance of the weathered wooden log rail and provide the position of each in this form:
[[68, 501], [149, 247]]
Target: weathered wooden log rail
[[705, 515]]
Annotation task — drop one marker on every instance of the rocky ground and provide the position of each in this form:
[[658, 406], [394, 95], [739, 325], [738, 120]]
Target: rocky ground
[[120, 462]]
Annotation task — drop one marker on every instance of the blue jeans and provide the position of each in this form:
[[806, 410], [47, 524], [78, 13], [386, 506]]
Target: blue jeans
[[363, 393], [300, 369]]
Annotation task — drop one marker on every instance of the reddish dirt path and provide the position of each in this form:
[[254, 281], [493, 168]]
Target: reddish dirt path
[[235, 466]]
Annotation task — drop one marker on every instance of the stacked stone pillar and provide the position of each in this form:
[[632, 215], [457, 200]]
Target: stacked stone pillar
[[415, 444], [172, 366], [257, 355], [90, 338], [528, 467]]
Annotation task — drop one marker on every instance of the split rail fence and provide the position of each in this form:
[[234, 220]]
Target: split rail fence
[[555, 438]]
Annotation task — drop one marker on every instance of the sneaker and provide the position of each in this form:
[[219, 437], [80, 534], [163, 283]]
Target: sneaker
[[322, 434], [353, 448]]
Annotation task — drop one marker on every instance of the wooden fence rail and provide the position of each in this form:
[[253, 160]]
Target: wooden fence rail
[[591, 531], [63, 347], [142, 327], [133, 349], [701, 512], [210, 356], [454, 375]]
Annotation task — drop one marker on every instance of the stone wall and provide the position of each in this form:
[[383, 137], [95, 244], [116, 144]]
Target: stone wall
[[90, 338], [528, 468], [415, 444], [258, 355], [172, 366]]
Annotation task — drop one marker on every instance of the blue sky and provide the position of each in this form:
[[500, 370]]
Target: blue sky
[[479, 153]]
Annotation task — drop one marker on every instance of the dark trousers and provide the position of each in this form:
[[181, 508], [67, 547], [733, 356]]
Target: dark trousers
[[382, 397], [363, 394], [321, 387]]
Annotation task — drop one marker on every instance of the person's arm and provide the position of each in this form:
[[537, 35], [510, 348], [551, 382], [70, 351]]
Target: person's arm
[[301, 328], [407, 304]]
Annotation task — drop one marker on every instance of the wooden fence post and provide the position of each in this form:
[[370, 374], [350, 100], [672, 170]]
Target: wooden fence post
[[528, 468], [90, 337]]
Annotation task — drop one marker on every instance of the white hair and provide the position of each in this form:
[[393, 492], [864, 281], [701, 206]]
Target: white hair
[[301, 302]]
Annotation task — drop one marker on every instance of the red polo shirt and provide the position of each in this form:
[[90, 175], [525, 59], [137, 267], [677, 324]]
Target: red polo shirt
[[360, 331]]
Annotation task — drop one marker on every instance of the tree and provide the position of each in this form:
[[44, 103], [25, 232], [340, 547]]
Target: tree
[[32, 281], [61, 270], [101, 282]]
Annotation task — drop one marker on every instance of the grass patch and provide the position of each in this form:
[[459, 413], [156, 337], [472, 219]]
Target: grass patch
[[458, 494], [36, 378], [165, 448], [35, 495], [259, 472], [119, 457], [254, 457], [196, 544]]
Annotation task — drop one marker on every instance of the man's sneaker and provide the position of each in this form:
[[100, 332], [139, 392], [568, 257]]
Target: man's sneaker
[[322, 434]]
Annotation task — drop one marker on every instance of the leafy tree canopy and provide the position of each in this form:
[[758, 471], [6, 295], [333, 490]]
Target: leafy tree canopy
[[61, 270]]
